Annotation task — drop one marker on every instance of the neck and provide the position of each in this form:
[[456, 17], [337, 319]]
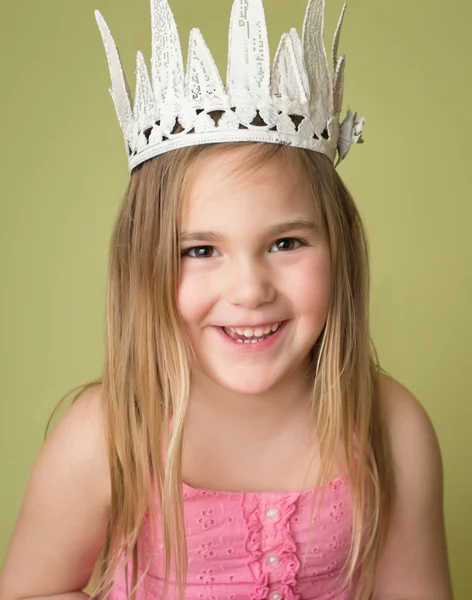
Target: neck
[[280, 405]]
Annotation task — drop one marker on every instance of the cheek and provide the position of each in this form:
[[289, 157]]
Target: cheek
[[310, 286], [192, 300]]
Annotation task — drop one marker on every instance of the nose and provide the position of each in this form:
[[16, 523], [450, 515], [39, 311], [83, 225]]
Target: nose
[[249, 283]]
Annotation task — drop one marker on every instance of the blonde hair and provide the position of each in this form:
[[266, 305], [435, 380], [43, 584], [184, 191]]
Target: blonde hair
[[146, 375]]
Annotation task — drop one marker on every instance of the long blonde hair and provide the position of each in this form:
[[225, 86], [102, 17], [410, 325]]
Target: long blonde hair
[[146, 374]]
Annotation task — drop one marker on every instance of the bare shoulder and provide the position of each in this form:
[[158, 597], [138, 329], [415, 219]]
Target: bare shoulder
[[63, 519], [409, 424], [81, 436], [414, 560], [415, 446], [86, 418]]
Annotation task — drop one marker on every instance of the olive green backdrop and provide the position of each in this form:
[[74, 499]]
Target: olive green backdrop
[[63, 170]]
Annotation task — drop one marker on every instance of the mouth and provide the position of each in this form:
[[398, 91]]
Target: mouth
[[252, 335]]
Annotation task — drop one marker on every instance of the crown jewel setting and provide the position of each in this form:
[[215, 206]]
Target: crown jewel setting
[[298, 102]]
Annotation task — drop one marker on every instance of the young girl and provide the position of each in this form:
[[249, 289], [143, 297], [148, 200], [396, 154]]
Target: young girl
[[243, 441]]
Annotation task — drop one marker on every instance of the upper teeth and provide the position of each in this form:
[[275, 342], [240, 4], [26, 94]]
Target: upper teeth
[[259, 332]]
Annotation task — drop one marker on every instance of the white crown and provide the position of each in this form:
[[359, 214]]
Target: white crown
[[297, 103]]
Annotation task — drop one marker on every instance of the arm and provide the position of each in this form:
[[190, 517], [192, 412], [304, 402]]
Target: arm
[[62, 523], [414, 561]]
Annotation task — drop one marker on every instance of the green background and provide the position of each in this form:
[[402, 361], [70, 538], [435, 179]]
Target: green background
[[64, 172]]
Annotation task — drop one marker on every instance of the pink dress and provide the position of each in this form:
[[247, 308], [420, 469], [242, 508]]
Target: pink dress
[[251, 546]]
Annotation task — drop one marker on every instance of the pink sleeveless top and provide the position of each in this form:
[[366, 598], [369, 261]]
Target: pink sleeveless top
[[252, 546]]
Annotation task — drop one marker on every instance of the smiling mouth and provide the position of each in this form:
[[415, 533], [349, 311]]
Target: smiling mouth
[[251, 336]]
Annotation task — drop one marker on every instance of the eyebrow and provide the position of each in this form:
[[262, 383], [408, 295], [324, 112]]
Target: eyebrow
[[272, 231]]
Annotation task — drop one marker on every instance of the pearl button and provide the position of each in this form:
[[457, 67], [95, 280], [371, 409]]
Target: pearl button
[[273, 514], [276, 596], [273, 560]]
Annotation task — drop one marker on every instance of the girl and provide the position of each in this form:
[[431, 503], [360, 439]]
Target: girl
[[243, 441]]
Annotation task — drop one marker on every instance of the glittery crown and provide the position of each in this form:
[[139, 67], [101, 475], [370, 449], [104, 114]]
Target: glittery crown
[[298, 102]]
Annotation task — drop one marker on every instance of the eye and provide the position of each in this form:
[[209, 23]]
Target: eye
[[199, 252], [288, 244]]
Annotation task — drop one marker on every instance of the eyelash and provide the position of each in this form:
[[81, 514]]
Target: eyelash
[[300, 241]]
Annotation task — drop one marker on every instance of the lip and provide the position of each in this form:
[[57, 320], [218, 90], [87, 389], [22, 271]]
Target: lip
[[269, 342]]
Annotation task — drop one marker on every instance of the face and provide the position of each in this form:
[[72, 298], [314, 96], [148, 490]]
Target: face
[[255, 272]]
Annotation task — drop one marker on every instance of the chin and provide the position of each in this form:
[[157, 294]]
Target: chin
[[247, 388]]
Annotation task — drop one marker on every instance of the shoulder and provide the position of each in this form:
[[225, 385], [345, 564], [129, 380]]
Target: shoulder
[[64, 516], [414, 442], [74, 454], [83, 422], [413, 559], [86, 412], [83, 430], [77, 444]]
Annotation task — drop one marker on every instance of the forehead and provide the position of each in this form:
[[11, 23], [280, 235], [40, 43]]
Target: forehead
[[218, 189]]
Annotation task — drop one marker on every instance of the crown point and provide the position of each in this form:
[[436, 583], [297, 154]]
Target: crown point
[[248, 74], [100, 20]]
